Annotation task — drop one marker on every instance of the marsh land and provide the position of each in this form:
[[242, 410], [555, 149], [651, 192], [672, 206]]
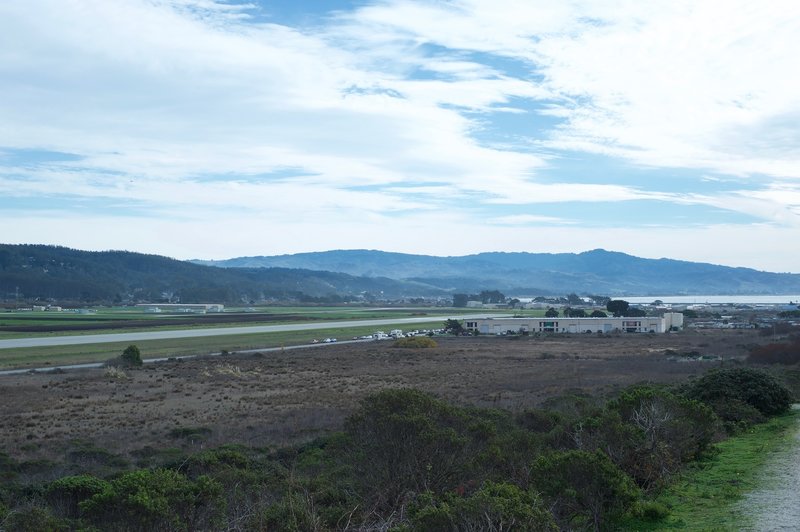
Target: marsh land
[[280, 398]]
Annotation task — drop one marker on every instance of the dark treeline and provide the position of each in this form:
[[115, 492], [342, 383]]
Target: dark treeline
[[31, 273], [406, 461]]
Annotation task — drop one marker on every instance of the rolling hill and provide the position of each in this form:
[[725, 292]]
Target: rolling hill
[[50, 273], [597, 271], [31, 272]]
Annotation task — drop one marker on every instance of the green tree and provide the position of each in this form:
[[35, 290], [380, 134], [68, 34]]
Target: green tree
[[491, 296], [618, 307], [574, 299], [598, 314], [132, 356], [453, 326], [551, 313], [460, 300]]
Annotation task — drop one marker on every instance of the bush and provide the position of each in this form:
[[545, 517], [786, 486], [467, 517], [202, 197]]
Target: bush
[[131, 356], [585, 488], [65, 494], [495, 506], [33, 519], [160, 499], [417, 342], [736, 415], [651, 511], [753, 387], [405, 441]]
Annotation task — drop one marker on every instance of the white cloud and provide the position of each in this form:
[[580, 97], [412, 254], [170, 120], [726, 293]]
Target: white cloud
[[669, 83], [190, 108]]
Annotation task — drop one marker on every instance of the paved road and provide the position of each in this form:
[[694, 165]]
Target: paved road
[[49, 341]]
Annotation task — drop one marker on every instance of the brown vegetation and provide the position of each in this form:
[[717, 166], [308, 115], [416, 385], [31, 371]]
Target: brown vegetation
[[284, 397]]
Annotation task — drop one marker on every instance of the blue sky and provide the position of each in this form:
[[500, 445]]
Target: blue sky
[[214, 129]]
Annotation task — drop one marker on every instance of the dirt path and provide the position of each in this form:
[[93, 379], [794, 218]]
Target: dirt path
[[775, 506]]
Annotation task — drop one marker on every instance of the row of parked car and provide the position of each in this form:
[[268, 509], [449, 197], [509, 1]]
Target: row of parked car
[[380, 335]]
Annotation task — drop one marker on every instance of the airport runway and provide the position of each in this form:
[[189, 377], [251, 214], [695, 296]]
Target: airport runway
[[48, 341]]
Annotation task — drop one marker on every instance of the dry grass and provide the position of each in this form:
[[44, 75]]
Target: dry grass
[[285, 397]]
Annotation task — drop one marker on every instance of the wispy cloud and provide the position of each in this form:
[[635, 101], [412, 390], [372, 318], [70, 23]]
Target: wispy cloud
[[390, 112]]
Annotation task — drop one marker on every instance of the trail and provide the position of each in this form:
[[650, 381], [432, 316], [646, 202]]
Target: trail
[[776, 505]]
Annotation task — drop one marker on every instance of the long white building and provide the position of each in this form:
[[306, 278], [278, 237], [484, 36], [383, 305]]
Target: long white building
[[655, 324]]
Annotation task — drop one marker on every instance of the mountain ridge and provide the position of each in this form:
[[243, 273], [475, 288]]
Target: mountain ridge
[[596, 270], [30, 272]]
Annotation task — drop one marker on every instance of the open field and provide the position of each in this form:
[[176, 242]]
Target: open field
[[176, 347], [278, 398]]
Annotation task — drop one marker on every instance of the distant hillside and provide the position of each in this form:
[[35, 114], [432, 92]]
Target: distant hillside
[[30, 272], [597, 271]]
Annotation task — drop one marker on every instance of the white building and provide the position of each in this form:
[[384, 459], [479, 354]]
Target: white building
[[655, 324]]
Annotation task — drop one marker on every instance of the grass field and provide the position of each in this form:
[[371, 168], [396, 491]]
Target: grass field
[[126, 319], [76, 354]]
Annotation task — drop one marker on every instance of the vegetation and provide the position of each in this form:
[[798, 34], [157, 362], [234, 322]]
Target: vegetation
[[453, 326], [752, 387], [786, 353], [131, 356], [406, 460], [416, 342], [706, 494], [486, 296], [617, 307], [46, 273]]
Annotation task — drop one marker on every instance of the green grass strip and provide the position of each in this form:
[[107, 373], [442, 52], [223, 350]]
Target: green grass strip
[[75, 354], [707, 495]]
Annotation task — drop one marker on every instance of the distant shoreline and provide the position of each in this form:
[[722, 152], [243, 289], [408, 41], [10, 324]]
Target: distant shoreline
[[736, 299]]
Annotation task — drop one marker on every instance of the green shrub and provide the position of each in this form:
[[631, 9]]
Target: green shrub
[[160, 499], [416, 342], [651, 511], [132, 356], [753, 387], [294, 513], [86, 454], [33, 519], [495, 506], [9, 469], [405, 441], [585, 489], [66, 493]]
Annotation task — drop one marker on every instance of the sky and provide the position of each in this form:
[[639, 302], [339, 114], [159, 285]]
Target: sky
[[215, 129]]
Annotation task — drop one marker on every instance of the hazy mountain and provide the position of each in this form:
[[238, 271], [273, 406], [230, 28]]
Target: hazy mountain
[[29, 272], [597, 271]]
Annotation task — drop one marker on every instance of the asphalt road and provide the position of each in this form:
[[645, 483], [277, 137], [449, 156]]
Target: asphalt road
[[49, 341]]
